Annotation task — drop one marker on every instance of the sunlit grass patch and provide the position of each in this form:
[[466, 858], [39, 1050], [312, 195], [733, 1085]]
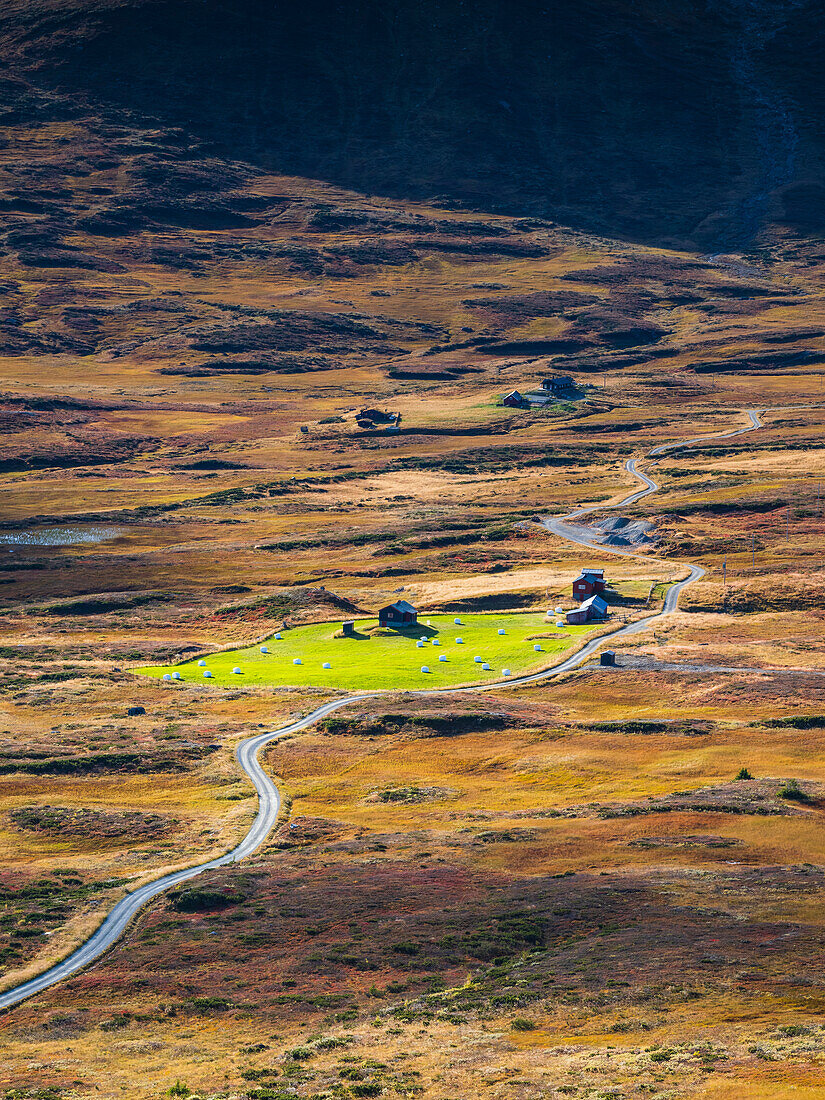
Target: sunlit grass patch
[[389, 660]]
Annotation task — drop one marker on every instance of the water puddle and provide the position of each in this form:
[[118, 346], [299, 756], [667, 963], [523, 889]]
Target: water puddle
[[59, 536]]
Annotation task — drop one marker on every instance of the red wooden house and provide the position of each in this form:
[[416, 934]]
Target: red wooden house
[[590, 582]]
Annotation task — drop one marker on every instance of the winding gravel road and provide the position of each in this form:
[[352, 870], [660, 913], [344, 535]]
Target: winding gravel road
[[269, 801]]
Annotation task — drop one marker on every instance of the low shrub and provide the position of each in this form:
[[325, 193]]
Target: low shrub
[[200, 900], [793, 792]]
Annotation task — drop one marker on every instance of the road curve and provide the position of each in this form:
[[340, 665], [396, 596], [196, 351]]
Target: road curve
[[269, 800], [113, 927]]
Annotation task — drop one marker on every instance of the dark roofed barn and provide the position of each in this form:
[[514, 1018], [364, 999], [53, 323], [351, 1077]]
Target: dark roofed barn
[[593, 608], [515, 400], [558, 383], [397, 614]]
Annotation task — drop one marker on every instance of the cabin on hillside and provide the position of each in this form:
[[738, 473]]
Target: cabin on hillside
[[558, 383], [515, 400], [593, 608], [590, 582], [398, 614]]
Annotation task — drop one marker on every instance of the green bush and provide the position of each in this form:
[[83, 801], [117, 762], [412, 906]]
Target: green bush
[[520, 1024], [406, 948], [199, 900], [792, 792], [797, 722], [743, 773]]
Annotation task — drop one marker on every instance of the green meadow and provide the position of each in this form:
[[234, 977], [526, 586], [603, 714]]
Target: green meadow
[[392, 660]]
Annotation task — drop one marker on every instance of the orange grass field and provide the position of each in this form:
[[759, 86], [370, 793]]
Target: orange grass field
[[554, 891]]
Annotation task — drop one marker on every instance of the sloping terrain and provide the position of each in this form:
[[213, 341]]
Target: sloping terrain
[[689, 121]]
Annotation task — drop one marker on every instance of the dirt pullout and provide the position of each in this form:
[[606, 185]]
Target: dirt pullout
[[610, 531]]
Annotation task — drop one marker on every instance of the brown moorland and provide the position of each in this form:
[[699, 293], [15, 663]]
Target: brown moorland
[[608, 884]]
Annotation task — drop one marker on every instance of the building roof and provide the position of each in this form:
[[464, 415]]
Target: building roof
[[590, 573], [400, 605], [595, 604]]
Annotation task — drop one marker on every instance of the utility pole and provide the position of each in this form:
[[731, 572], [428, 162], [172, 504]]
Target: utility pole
[[753, 551], [788, 526]]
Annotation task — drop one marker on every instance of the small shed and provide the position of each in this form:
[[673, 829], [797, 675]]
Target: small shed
[[398, 614], [593, 608], [608, 657], [590, 582], [348, 628], [514, 400]]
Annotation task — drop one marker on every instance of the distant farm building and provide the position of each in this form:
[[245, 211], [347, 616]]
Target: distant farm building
[[398, 614], [558, 383], [593, 608], [552, 389], [515, 400], [590, 582], [371, 418]]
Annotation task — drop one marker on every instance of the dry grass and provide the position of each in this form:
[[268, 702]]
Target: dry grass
[[198, 473]]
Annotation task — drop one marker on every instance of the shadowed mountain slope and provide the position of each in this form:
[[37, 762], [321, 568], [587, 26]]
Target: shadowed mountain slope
[[681, 122]]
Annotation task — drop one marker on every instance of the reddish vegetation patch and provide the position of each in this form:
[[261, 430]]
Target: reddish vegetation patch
[[301, 831], [312, 940], [63, 821]]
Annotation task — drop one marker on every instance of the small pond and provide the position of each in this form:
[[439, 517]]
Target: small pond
[[59, 536]]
